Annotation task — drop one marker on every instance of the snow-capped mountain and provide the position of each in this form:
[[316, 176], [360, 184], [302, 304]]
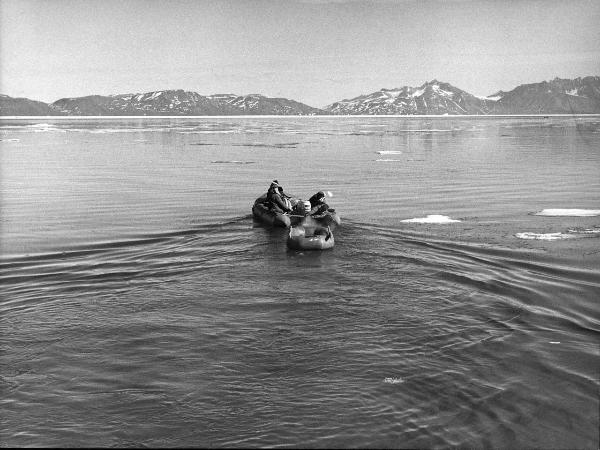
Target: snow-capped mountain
[[179, 102], [261, 105], [433, 97], [151, 103], [558, 96]]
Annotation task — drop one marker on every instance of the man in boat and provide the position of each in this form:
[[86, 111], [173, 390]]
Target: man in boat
[[276, 199], [317, 204], [310, 226]]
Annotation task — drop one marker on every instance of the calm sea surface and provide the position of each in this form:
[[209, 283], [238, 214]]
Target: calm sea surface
[[143, 306]]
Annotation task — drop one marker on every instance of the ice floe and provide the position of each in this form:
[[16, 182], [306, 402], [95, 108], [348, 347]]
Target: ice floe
[[585, 231], [544, 236], [432, 218], [572, 233], [39, 125], [569, 212], [43, 128], [210, 132], [389, 152], [116, 130]]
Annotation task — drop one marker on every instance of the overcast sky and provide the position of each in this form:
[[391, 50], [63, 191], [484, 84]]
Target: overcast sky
[[312, 51]]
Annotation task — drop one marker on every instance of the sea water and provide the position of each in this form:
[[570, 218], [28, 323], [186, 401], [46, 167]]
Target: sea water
[[143, 306]]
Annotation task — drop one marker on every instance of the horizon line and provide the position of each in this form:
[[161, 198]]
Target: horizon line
[[332, 116]]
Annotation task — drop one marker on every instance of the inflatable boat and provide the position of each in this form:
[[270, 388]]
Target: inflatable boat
[[299, 240], [277, 219], [266, 215]]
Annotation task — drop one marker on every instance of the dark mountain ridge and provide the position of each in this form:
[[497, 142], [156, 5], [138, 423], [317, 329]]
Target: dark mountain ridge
[[10, 106], [558, 96]]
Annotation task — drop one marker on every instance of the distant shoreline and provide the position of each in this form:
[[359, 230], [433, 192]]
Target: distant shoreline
[[332, 116]]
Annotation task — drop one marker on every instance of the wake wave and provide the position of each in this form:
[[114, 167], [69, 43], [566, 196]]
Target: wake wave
[[92, 248]]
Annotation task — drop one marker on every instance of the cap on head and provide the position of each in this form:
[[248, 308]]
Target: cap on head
[[320, 194]]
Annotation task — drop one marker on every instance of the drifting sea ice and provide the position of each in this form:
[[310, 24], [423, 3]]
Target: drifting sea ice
[[569, 212], [432, 218]]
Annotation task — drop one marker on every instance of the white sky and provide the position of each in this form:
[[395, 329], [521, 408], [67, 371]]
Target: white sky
[[312, 51]]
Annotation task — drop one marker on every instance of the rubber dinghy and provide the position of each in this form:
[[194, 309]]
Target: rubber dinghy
[[299, 240], [266, 215], [262, 212]]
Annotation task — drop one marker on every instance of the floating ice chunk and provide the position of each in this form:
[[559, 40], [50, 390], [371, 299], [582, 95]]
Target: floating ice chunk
[[569, 212], [544, 236], [432, 218], [585, 231], [209, 132], [39, 125], [393, 380], [389, 152]]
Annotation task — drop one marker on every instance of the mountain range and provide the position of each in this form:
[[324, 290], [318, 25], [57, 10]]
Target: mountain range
[[558, 96]]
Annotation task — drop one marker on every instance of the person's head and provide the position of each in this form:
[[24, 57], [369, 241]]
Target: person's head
[[280, 189], [321, 195]]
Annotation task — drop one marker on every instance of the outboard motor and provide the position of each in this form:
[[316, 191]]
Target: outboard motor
[[306, 206]]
